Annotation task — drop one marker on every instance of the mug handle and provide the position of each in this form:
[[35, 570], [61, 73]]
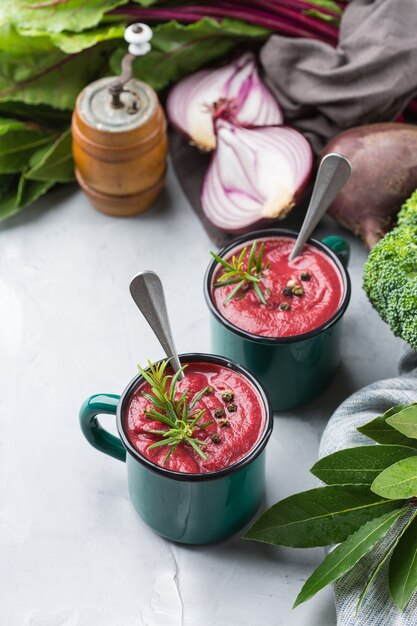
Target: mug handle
[[94, 432], [339, 246]]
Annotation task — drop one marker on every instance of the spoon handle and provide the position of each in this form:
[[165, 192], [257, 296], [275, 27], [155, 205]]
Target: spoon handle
[[333, 172], [147, 292]]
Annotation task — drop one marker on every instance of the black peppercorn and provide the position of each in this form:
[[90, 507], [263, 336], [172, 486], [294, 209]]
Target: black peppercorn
[[224, 423], [228, 395], [298, 290], [305, 276], [284, 306], [216, 438], [219, 412], [232, 407], [287, 291]]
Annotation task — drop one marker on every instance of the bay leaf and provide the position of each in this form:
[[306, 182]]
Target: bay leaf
[[382, 559], [398, 480], [319, 517], [360, 465], [347, 554], [403, 566], [380, 431], [405, 421]]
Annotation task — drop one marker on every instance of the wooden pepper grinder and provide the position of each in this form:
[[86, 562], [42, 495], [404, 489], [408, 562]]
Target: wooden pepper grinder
[[119, 137]]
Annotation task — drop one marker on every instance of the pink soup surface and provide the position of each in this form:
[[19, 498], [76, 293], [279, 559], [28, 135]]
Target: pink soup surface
[[322, 292], [237, 439]]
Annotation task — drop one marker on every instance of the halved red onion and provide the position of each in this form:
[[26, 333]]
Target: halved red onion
[[240, 88], [256, 175]]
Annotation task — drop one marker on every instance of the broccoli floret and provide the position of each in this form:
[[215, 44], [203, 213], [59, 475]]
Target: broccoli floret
[[408, 213], [390, 276]]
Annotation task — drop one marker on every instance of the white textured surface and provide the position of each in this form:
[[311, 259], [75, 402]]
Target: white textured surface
[[73, 552]]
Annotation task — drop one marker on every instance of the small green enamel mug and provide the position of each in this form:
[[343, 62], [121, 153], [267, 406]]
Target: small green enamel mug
[[293, 370], [187, 508]]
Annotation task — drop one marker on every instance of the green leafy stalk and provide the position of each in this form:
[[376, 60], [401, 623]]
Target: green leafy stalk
[[178, 414], [243, 275]]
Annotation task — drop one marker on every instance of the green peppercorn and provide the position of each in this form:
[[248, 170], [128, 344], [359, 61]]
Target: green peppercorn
[[298, 290], [228, 395], [216, 438], [219, 412], [232, 407], [287, 291], [284, 306], [224, 423], [305, 276]]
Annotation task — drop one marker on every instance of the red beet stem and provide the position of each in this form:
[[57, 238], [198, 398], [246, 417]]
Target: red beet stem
[[192, 13]]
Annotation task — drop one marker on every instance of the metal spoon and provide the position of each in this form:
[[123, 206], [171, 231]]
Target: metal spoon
[[147, 292], [333, 172]]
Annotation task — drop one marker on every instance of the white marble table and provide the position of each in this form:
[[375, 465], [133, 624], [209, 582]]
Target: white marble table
[[73, 551]]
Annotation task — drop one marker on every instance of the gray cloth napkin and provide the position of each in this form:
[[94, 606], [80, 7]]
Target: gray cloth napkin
[[370, 77], [377, 608]]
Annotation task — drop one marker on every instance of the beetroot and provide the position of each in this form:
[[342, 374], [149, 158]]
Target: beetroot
[[384, 174]]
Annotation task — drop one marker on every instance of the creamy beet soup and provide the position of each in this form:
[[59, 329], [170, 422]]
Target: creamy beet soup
[[232, 405], [300, 295]]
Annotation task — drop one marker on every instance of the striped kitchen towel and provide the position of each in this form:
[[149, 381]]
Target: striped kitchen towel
[[377, 608]]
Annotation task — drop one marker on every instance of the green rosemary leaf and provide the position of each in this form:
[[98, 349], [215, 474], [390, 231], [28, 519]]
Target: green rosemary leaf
[[201, 426], [198, 416], [227, 282], [154, 400], [226, 275], [237, 273], [163, 442], [259, 259], [152, 414], [146, 376], [242, 256], [252, 256], [174, 381], [156, 432], [193, 443], [198, 397], [234, 291], [177, 414], [170, 451], [259, 293], [253, 279]]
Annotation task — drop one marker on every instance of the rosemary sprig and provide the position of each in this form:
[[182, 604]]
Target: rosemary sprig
[[242, 275], [178, 414]]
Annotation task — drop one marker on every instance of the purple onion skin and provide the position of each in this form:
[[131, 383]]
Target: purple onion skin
[[235, 65], [384, 174], [263, 222]]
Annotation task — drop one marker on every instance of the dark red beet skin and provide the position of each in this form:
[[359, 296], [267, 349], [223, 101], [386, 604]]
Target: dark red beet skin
[[384, 174]]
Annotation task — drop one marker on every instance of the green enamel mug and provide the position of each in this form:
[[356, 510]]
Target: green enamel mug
[[293, 370], [186, 508]]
